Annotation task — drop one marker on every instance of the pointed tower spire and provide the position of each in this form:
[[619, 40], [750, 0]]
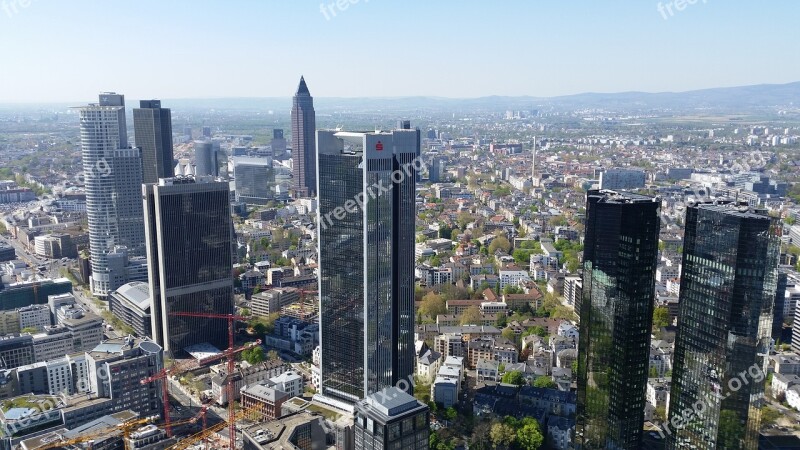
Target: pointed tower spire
[[302, 89]]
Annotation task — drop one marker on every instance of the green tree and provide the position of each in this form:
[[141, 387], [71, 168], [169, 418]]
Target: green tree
[[544, 382], [272, 355], [661, 317], [499, 243], [502, 435], [254, 355], [730, 430], [514, 377], [432, 305], [471, 316], [769, 416], [529, 436], [509, 334], [450, 413], [31, 330]]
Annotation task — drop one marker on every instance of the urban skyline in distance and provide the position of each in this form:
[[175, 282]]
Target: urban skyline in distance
[[386, 225], [643, 51]]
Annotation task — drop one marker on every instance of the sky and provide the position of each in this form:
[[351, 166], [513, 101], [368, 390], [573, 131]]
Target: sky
[[68, 51]]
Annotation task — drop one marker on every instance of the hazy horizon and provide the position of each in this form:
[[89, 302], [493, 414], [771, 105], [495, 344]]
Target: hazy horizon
[[66, 52]]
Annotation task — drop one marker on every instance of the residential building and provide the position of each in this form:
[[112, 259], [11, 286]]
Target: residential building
[[620, 254]]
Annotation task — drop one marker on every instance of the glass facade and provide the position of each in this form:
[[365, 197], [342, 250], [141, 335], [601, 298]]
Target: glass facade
[[189, 227], [728, 283], [620, 255], [303, 156], [152, 126], [366, 260], [341, 279]]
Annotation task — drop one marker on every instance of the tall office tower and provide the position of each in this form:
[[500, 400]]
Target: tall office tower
[[189, 260], [207, 132], [112, 175], [254, 180], [366, 256], [728, 282], [435, 173], [207, 156], [278, 144], [620, 254], [304, 157], [152, 126]]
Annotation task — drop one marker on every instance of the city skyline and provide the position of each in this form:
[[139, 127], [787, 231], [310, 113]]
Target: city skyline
[[643, 38]]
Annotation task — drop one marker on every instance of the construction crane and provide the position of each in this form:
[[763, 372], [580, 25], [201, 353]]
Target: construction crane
[[191, 440], [228, 354], [124, 427], [182, 367]]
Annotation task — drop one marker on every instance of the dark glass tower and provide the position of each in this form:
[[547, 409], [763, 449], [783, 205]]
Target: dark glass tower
[[366, 226], [620, 254], [152, 126], [304, 159], [728, 284], [189, 260]]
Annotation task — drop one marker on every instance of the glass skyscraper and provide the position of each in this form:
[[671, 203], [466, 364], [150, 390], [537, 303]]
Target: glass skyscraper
[[152, 126], [728, 283], [189, 260], [367, 212], [303, 158], [112, 173], [620, 255]]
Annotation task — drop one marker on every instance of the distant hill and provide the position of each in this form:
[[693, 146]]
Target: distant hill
[[740, 99]]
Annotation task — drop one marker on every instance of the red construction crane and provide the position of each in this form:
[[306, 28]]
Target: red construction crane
[[229, 354]]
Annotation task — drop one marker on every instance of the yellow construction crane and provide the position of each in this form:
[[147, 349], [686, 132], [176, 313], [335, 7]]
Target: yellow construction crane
[[192, 440], [126, 428]]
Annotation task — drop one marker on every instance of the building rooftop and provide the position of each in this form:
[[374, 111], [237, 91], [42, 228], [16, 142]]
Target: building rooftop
[[136, 292]]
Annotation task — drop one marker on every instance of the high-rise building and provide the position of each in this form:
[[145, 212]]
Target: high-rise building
[[278, 144], [152, 127], [189, 260], [620, 255], [728, 281], [366, 256], [112, 175], [254, 179], [207, 156], [304, 159], [391, 419]]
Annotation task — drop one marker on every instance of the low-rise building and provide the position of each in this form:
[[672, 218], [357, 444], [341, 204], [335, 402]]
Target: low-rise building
[[34, 318], [266, 400]]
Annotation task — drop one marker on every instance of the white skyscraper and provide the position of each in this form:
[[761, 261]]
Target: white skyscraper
[[113, 177]]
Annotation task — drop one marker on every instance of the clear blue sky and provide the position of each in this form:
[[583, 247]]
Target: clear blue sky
[[57, 50]]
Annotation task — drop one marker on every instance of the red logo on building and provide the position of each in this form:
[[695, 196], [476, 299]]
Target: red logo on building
[[379, 146]]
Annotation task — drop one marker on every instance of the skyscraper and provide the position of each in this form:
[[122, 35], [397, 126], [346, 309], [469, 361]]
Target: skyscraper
[[304, 157], [620, 254], [152, 126], [189, 260], [207, 155], [366, 248], [112, 175], [254, 180], [728, 282]]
